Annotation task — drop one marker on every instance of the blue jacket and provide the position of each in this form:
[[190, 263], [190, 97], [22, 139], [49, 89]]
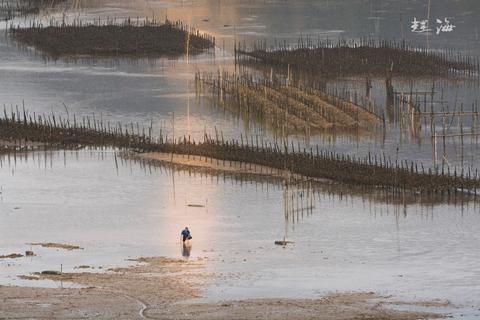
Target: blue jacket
[[185, 233]]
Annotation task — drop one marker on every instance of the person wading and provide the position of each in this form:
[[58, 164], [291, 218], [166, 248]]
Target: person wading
[[186, 234]]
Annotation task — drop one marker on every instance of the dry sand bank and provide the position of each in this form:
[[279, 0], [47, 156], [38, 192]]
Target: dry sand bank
[[157, 288]]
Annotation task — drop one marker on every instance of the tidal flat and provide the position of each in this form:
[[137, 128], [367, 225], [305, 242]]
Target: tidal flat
[[90, 231]]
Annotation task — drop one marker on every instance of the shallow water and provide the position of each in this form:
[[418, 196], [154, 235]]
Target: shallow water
[[346, 243], [161, 91]]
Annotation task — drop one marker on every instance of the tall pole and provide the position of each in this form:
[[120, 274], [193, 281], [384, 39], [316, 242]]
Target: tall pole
[[428, 19]]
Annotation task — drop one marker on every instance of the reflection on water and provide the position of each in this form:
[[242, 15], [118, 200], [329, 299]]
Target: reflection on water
[[302, 191], [305, 190], [186, 249], [352, 239], [160, 91], [345, 242]]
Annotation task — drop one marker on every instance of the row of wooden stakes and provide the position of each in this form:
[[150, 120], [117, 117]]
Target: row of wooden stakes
[[373, 171]]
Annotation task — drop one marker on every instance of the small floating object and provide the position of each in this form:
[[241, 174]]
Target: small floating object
[[11, 256], [196, 205], [29, 253], [282, 242], [51, 272]]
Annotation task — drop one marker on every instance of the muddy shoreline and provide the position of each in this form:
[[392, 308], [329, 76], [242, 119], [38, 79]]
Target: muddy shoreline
[[163, 288]]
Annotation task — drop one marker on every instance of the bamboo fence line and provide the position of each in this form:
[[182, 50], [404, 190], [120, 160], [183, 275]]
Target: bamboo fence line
[[372, 170], [417, 112], [285, 107]]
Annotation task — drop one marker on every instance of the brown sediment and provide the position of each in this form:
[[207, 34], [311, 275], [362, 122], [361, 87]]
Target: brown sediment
[[158, 288], [83, 267], [130, 38], [333, 307], [28, 277], [430, 303], [121, 293], [11, 256], [55, 245]]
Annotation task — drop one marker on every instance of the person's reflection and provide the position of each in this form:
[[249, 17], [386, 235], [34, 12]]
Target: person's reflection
[[186, 249]]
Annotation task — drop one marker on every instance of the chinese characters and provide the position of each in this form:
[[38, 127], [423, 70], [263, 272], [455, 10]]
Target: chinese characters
[[421, 26]]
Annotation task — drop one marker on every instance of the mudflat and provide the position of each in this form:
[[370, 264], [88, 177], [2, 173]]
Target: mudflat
[[163, 288]]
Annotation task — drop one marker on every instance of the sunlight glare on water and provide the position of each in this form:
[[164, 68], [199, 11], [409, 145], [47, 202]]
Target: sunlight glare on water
[[348, 243]]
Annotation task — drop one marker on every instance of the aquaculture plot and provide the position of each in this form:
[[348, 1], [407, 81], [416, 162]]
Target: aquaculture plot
[[111, 38], [364, 57], [372, 170], [283, 107]]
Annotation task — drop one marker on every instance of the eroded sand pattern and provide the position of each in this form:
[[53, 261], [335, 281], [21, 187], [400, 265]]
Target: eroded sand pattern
[[158, 288]]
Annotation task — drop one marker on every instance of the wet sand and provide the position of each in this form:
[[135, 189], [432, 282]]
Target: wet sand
[[64, 246], [215, 165], [162, 288]]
